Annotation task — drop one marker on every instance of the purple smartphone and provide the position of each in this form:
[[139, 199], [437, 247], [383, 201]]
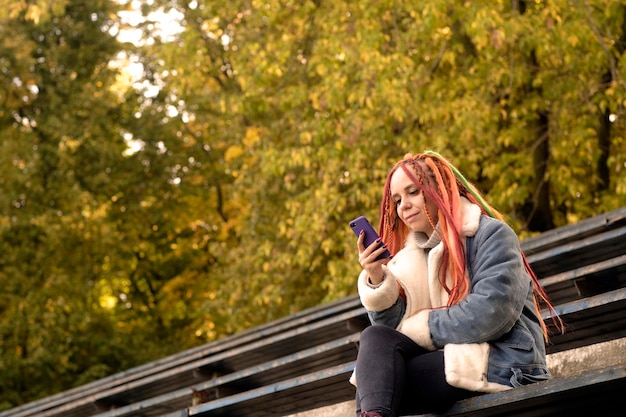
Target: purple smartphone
[[361, 223]]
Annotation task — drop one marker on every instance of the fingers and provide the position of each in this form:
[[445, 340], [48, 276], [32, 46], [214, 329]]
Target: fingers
[[370, 255], [373, 246], [360, 243]]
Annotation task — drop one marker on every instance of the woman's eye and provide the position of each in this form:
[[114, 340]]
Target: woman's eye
[[415, 192]]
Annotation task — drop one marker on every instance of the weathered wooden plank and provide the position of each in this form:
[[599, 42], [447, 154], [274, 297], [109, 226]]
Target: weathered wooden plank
[[172, 372], [577, 253], [275, 345], [310, 360], [579, 230], [262, 396], [586, 280], [586, 394], [568, 276], [585, 307], [587, 303], [590, 320]]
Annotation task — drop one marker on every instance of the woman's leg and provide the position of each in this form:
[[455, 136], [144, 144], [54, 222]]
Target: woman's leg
[[395, 376], [381, 368], [426, 389]]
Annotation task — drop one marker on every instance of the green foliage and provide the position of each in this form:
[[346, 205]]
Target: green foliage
[[143, 214]]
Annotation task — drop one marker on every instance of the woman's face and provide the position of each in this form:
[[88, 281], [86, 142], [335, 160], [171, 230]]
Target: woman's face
[[410, 203]]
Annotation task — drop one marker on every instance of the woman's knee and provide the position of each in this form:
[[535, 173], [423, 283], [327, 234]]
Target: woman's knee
[[377, 333]]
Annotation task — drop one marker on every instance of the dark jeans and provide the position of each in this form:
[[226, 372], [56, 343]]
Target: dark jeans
[[396, 377]]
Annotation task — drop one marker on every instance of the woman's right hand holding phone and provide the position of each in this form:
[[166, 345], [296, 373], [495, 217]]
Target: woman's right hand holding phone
[[368, 256]]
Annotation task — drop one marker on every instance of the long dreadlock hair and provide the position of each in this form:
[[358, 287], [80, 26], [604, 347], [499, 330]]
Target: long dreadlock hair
[[441, 183]]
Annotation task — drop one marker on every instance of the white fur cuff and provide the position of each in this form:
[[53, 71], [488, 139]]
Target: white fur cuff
[[381, 297]]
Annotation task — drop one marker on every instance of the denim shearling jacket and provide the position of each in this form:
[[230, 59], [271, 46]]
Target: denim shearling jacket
[[492, 340]]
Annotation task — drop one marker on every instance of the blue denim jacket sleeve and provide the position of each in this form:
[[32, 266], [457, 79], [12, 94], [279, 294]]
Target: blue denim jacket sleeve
[[390, 317], [499, 288]]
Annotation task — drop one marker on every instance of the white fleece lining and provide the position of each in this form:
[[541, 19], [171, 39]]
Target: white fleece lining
[[466, 367], [416, 328]]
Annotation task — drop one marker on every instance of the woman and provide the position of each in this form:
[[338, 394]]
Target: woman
[[455, 311]]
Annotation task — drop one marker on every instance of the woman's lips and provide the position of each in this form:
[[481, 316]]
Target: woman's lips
[[410, 217]]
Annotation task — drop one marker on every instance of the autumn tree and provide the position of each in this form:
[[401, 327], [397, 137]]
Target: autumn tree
[[103, 246]]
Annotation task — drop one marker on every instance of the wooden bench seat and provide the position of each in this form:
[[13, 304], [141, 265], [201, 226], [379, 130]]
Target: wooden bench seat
[[583, 229], [592, 393], [292, 395], [311, 373], [586, 318], [582, 275], [283, 337], [241, 383], [589, 320]]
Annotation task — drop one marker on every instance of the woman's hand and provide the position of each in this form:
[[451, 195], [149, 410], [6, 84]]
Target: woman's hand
[[367, 259]]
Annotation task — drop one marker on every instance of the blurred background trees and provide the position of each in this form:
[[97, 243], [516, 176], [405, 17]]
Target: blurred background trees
[[178, 171]]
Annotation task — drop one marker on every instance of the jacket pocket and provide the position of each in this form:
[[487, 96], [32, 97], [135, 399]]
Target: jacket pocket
[[518, 338]]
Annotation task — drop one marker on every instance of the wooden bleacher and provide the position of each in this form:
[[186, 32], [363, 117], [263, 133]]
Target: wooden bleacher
[[593, 393], [302, 362]]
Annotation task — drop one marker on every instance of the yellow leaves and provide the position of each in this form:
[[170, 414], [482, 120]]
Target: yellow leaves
[[122, 84], [318, 100], [368, 102], [107, 302], [211, 28], [301, 157], [611, 90], [285, 227], [510, 191], [37, 12], [443, 33], [252, 137], [69, 144], [327, 245], [321, 69], [12, 10], [207, 330], [275, 70], [573, 40], [33, 12], [233, 152], [449, 57], [305, 138]]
